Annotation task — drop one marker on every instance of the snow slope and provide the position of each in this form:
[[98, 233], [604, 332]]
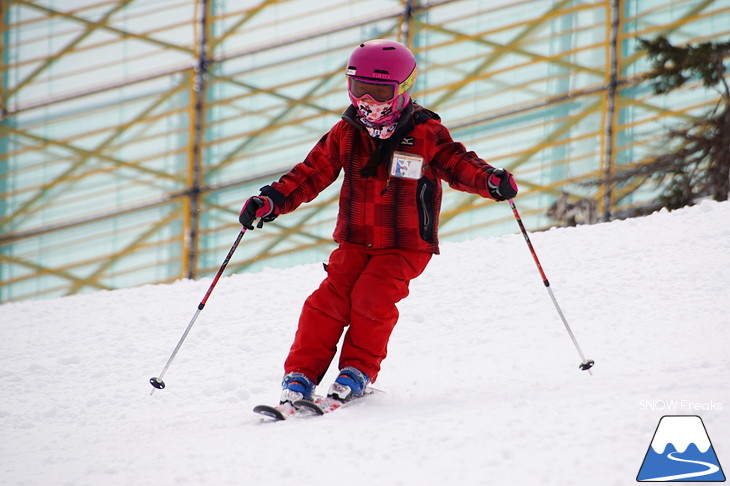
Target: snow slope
[[482, 385]]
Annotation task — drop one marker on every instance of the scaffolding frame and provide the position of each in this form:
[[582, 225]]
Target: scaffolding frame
[[132, 131]]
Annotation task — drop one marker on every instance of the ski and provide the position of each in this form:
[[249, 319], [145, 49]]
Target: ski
[[277, 413], [325, 405], [318, 406]]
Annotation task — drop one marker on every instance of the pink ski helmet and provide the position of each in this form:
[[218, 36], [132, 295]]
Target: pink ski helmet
[[383, 70]]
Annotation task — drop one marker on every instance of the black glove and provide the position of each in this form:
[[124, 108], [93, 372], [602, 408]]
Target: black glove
[[255, 207], [501, 184]]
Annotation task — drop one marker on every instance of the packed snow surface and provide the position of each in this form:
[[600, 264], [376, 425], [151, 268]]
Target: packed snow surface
[[481, 386]]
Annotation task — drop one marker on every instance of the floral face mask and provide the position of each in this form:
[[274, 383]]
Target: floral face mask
[[378, 118]]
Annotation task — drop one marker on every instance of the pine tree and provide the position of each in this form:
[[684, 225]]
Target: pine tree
[[698, 163]]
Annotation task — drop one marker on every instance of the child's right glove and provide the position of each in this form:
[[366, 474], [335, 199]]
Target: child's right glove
[[501, 184], [257, 207]]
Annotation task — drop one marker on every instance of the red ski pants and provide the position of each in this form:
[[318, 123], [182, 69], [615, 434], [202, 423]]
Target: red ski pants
[[361, 289]]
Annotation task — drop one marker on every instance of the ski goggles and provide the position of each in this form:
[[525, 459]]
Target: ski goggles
[[380, 92]]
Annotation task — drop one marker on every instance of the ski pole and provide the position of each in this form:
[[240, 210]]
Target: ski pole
[[157, 382], [586, 364]]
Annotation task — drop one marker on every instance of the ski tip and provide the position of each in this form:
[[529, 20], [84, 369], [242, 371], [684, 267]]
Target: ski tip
[[308, 406], [269, 411]]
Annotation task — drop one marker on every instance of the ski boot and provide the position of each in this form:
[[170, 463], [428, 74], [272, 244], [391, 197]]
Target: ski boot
[[296, 386], [350, 383]]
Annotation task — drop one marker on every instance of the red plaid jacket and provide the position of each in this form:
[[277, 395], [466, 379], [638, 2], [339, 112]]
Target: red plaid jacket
[[383, 211]]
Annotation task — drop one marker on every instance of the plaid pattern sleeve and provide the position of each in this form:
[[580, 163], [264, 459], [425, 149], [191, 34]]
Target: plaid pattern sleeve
[[462, 170], [308, 178]]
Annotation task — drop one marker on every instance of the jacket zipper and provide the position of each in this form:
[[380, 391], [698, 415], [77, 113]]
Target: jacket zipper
[[426, 217]]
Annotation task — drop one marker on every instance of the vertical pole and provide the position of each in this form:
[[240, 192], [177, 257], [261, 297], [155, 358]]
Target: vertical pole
[[610, 115], [407, 17], [197, 121], [5, 144]]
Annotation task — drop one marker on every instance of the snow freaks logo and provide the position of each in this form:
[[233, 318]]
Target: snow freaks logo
[[681, 451], [680, 406]]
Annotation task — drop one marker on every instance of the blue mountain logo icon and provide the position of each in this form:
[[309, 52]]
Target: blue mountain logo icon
[[681, 451]]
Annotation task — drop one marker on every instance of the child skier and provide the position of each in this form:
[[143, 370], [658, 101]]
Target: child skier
[[394, 154]]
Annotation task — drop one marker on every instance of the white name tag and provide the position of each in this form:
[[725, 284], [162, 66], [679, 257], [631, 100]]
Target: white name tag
[[406, 166]]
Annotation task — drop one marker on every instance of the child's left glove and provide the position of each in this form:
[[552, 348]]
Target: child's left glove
[[260, 207], [501, 184]]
